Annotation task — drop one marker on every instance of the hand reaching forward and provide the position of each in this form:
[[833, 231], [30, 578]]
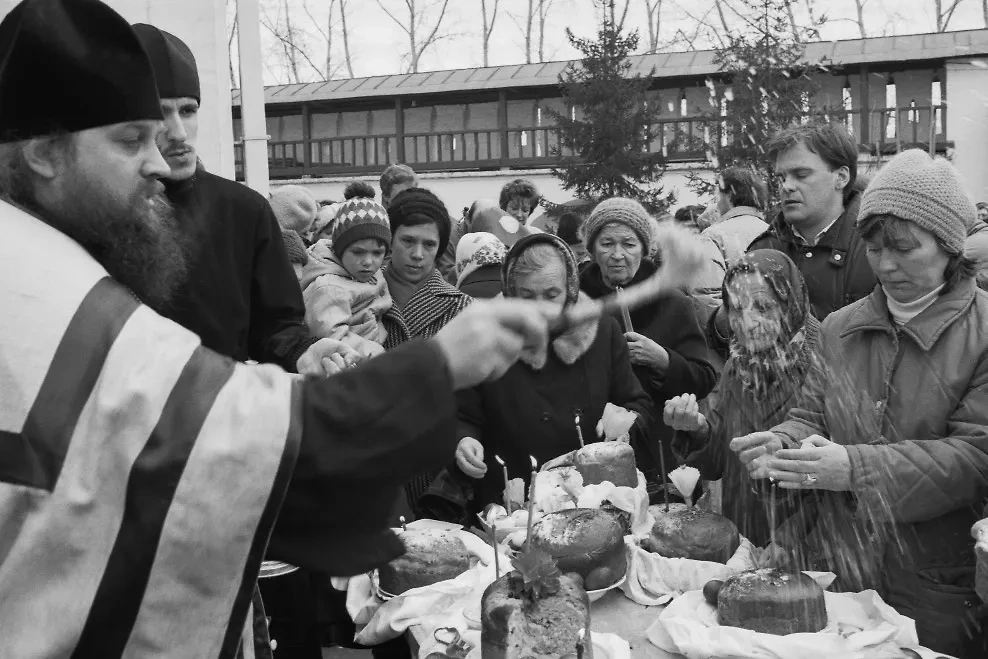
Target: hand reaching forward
[[683, 413], [470, 457]]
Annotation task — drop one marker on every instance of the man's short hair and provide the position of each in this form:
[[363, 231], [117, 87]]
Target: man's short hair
[[395, 175], [830, 141], [744, 187], [520, 188]]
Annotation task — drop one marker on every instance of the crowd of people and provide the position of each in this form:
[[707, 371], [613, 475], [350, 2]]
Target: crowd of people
[[830, 360]]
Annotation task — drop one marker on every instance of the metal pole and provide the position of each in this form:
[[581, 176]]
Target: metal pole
[[254, 131]]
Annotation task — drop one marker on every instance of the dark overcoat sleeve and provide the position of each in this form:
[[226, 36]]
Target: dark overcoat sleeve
[[278, 334], [689, 372], [365, 432]]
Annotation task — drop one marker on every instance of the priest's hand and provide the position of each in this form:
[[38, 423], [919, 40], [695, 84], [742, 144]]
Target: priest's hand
[[756, 450], [487, 338], [327, 357]]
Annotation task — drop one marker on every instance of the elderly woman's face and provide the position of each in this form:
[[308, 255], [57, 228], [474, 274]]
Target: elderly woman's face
[[618, 251], [908, 265], [547, 284], [754, 312]]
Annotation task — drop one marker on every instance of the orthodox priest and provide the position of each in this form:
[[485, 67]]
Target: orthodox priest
[[142, 475]]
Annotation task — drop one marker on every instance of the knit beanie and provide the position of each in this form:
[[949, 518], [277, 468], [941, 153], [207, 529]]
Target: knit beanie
[[357, 219], [416, 206], [294, 207], [621, 211], [926, 191], [509, 278]]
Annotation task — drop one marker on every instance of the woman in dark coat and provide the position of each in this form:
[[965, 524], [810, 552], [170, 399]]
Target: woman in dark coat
[[665, 340], [532, 410], [772, 351]]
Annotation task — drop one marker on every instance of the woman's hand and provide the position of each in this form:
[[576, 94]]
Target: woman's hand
[[470, 458], [646, 352], [683, 413], [818, 464], [616, 423], [756, 450]]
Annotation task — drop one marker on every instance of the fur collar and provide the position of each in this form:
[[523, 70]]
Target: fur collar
[[569, 346]]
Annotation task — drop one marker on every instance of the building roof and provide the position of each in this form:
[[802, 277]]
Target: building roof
[[906, 48]]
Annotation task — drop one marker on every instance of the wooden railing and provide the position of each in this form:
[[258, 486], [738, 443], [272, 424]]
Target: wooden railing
[[677, 139]]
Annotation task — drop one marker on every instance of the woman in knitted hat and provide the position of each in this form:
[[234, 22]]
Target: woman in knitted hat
[[345, 293], [479, 257], [897, 435], [665, 340], [533, 409]]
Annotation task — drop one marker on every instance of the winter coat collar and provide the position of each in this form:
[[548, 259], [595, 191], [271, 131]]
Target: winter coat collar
[[838, 237], [739, 211], [569, 346], [872, 314]]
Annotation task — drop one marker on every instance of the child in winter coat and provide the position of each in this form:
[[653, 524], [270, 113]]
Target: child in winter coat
[[344, 290]]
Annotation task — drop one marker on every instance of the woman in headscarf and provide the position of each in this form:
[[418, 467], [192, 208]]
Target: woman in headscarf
[[532, 409], [771, 353], [668, 350], [479, 257]]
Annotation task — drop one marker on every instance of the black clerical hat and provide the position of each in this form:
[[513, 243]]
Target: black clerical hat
[[71, 65], [173, 62]]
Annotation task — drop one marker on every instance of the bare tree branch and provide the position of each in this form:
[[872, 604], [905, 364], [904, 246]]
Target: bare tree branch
[[544, 7], [234, 29], [291, 41], [488, 27], [346, 38], [416, 20], [860, 5], [653, 9], [943, 16]]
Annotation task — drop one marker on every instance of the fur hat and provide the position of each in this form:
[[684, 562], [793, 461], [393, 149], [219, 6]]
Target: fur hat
[[294, 207], [508, 270], [416, 206], [359, 218], [174, 65], [926, 191], [71, 65], [621, 211]]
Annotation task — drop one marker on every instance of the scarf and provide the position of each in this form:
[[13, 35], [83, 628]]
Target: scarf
[[758, 372], [476, 250]]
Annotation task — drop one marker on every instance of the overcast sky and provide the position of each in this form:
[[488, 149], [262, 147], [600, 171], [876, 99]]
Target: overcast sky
[[378, 45]]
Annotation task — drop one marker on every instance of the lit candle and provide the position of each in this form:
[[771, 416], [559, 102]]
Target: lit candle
[[401, 519], [504, 468], [579, 431], [531, 503], [497, 563], [580, 643]]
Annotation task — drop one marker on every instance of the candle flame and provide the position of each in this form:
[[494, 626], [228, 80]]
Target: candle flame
[[535, 465], [499, 460]]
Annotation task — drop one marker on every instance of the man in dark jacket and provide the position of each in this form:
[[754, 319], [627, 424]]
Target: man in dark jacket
[[817, 165], [241, 296]]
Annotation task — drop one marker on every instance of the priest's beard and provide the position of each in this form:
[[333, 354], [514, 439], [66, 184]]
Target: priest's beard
[[139, 243]]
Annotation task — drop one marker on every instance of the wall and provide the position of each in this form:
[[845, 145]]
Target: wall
[[202, 25], [967, 121], [463, 188]]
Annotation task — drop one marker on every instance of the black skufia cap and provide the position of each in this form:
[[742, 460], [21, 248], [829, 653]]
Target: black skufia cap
[[71, 65], [173, 62]]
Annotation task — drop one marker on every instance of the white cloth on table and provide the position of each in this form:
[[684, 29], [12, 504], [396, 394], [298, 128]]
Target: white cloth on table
[[859, 625], [654, 580]]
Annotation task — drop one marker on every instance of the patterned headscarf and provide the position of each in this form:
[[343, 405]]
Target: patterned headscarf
[[758, 371], [476, 250], [508, 277]]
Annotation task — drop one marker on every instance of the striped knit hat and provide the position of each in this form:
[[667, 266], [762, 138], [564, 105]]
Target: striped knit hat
[[620, 211], [357, 219], [926, 191]]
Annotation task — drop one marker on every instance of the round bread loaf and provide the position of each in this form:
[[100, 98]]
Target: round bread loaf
[[430, 556], [513, 628], [607, 461], [692, 533], [583, 540], [771, 601]]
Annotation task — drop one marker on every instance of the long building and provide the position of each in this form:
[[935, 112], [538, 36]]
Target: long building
[[468, 129]]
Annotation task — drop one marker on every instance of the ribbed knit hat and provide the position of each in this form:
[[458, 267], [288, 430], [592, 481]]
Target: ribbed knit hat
[[926, 191], [357, 219], [621, 211], [294, 207], [416, 206]]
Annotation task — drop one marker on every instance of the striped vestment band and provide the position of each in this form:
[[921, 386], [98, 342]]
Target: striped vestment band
[[140, 474]]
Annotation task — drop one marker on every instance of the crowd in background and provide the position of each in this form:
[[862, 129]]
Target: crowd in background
[[834, 293]]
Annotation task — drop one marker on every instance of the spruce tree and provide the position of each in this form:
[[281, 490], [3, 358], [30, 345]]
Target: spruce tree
[[604, 141]]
